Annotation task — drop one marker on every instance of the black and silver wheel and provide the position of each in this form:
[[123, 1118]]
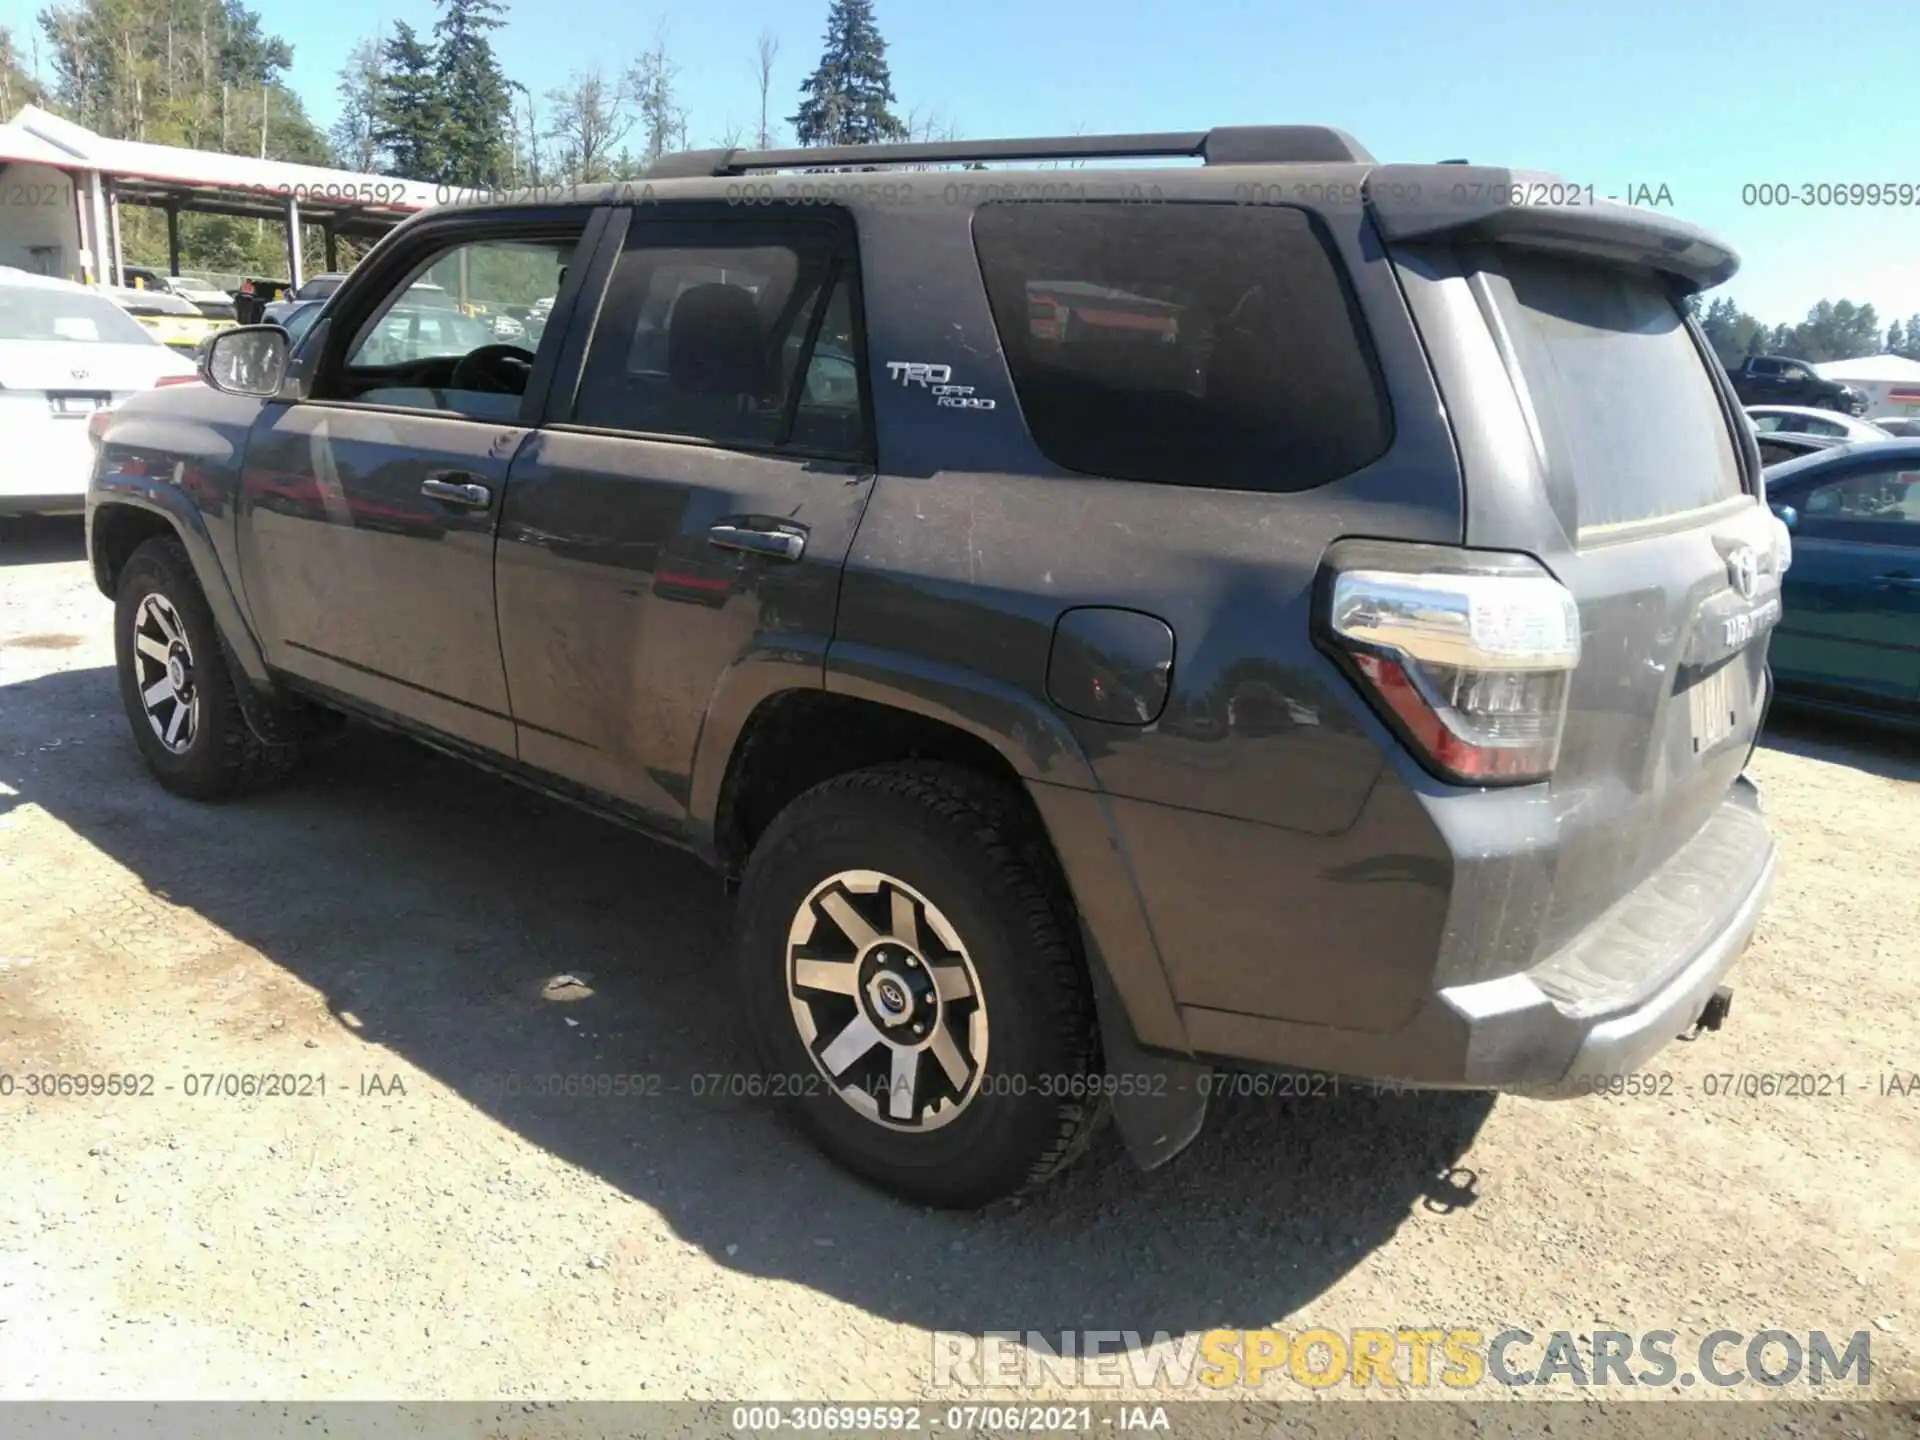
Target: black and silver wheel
[[175, 683], [163, 665], [908, 965], [886, 1000]]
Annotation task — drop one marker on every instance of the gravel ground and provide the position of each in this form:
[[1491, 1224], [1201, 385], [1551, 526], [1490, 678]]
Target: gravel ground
[[394, 922]]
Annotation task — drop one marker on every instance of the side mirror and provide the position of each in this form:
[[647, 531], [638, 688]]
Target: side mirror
[[1789, 516], [250, 360]]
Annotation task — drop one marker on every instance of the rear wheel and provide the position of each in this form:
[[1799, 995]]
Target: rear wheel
[[907, 967], [179, 692]]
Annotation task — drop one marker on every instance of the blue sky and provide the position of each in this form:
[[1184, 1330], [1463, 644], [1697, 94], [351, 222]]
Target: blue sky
[[1701, 96]]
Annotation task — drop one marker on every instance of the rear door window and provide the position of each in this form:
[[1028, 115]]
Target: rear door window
[[734, 332], [1625, 402], [1184, 344]]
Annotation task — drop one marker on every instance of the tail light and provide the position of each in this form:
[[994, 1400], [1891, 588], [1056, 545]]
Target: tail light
[[97, 424], [176, 380], [1473, 669]]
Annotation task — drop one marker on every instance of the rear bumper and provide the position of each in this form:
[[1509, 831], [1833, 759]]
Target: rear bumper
[[1603, 1004], [1621, 1044]]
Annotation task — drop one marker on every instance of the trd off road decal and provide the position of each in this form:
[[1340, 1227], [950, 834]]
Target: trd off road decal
[[937, 380]]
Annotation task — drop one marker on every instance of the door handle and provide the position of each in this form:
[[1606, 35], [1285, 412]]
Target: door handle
[[785, 543], [455, 487], [1897, 582]]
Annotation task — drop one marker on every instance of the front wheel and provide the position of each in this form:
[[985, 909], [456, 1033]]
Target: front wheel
[[179, 692], [907, 967]]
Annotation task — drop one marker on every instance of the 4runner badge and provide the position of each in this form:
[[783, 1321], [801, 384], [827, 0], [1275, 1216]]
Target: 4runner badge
[[936, 379]]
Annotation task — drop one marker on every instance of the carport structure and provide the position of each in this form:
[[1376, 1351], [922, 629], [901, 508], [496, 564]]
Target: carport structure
[[63, 185]]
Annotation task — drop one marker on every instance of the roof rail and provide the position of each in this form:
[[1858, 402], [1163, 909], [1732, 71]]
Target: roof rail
[[1222, 145]]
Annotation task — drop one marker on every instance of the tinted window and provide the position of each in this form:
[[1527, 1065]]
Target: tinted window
[[1886, 496], [1624, 398], [828, 417], [716, 332], [1186, 344], [31, 313]]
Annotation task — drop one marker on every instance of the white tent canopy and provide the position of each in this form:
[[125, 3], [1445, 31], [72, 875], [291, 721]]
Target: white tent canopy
[[37, 146], [1872, 369], [1891, 382]]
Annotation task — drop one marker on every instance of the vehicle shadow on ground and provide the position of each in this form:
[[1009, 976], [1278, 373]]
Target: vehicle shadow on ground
[[431, 905], [42, 540], [1878, 749]]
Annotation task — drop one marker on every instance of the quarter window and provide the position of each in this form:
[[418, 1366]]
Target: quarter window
[[1184, 344]]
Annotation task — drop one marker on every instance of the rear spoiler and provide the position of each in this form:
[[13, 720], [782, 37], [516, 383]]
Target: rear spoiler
[[1541, 211]]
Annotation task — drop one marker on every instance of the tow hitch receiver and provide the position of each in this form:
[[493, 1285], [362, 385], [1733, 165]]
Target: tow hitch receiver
[[1714, 1013]]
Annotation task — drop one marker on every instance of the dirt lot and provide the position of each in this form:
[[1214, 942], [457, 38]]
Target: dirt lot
[[391, 922]]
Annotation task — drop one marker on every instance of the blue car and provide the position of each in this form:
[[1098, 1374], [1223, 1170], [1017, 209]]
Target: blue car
[[1850, 636]]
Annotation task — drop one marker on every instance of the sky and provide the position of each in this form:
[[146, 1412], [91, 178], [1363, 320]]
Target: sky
[[1702, 97]]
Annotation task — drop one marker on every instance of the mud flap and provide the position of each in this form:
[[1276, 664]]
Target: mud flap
[[1159, 1102]]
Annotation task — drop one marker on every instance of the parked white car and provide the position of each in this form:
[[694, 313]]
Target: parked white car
[[66, 352], [1804, 420]]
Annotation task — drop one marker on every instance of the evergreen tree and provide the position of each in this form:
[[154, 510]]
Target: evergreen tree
[[848, 99], [1911, 347], [411, 126], [474, 94], [1719, 323]]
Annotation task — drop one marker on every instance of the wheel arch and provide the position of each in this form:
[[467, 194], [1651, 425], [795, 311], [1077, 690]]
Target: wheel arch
[[774, 752], [122, 515]]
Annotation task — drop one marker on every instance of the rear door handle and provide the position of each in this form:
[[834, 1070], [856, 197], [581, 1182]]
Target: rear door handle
[[456, 487], [784, 543]]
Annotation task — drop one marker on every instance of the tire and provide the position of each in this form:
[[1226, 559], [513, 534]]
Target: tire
[[1011, 1095], [202, 749]]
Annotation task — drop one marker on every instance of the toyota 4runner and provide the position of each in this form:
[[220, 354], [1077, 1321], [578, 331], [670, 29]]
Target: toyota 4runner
[[1284, 611]]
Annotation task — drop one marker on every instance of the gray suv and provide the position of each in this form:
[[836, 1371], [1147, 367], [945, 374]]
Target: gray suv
[[1287, 611]]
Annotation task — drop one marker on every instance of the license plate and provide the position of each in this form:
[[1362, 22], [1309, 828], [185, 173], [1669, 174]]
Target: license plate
[[1715, 704], [79, 404]]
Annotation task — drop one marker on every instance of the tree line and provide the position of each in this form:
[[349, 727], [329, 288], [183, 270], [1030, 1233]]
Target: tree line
[[435, 106], [1832, 330], [439, 107]]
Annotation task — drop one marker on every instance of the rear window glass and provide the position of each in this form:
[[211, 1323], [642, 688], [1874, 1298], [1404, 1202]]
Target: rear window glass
[[1626, 404], [32, 313], [1184, 344]]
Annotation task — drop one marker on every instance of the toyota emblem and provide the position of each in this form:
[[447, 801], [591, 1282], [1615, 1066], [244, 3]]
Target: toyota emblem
[[1743, 570], [81, 374]]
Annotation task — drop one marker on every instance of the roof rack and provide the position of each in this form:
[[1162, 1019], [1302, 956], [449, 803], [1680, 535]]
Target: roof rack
[[1222, 145]]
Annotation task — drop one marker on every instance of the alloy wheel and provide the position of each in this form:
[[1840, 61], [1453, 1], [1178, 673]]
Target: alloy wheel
[[163, 671], [887, 1000]]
